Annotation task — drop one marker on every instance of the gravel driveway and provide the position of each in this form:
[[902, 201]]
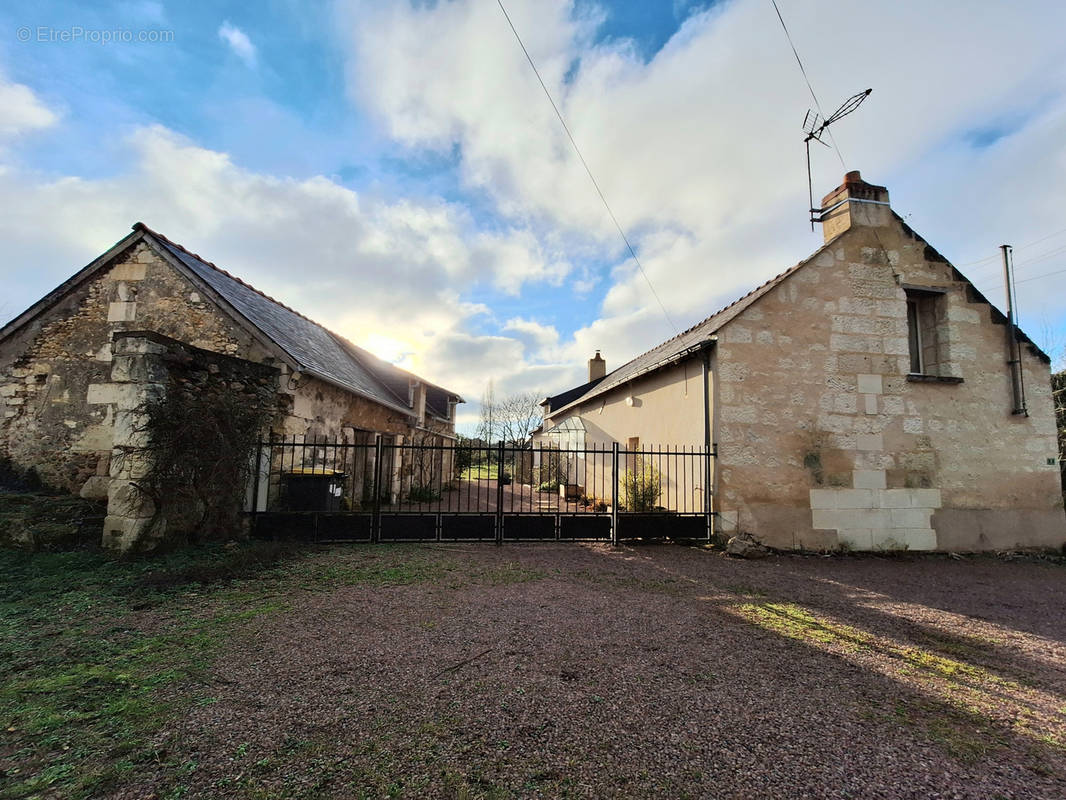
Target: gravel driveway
[[585, 671]]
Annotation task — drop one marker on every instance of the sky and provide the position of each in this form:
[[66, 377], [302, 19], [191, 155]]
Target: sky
[[394, 171]]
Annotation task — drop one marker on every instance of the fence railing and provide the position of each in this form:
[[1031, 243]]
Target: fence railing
[[380, 480]]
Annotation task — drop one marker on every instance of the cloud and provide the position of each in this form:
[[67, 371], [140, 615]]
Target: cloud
[[239, 43], [23, 111], [539, 338], [519, 274], [391, 273], [699, 149]]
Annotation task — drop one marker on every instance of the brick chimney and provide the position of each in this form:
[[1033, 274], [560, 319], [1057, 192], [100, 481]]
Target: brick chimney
[[853, 204], [597, 367]]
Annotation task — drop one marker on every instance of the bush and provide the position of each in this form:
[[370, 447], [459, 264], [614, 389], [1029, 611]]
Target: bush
[[641, 487], [548, 486]]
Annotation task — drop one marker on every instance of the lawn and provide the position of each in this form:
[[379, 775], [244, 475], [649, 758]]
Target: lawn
[[480, 472], [263, 671]]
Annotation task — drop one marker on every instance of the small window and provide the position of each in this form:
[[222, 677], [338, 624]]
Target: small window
[[922, 332]]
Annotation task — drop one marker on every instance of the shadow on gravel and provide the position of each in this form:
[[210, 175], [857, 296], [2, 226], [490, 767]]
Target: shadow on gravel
[[966, 655], [1023, 596]]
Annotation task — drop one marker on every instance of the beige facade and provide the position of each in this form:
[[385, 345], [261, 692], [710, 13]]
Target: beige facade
[[861, 400], [59, 401]]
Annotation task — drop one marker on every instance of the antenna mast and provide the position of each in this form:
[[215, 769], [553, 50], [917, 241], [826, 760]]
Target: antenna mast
[[814, 126]]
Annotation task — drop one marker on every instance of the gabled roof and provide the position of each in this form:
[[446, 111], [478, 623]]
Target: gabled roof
[[562, 399], [701, 334], [681, 346], [310, 347]]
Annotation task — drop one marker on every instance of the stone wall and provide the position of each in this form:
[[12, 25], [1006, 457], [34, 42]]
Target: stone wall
[[321, 410], [56, 412], [54, 415], [825, 440], [145, 368]]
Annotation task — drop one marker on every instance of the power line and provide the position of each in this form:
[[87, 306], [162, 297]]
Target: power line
[[1019, 247], [808, 82], [1034, 260], [1045, 275], [584, 163], [1045, 255]]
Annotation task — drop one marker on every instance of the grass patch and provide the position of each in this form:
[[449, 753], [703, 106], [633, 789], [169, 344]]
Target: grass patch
[[480, 472], [81, 684], [97, 654], [973, 705]]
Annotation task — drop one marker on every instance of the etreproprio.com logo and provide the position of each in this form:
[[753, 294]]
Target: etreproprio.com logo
[[76, 34]]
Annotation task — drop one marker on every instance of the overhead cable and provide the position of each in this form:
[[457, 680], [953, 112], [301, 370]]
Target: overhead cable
[[584, 163]]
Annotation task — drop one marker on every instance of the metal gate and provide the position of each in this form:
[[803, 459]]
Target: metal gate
[[380, 490]]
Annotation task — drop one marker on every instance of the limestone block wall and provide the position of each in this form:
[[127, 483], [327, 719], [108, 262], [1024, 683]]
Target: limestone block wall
[[825, 439], [57, 399], [54, 415], [146, 367], [321, 410]]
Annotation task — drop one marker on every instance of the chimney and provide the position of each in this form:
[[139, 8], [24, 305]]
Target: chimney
[[597, 367], [855, 203]]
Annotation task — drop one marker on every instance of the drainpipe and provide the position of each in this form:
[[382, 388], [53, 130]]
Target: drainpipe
[[707, 506], [1014, 356]]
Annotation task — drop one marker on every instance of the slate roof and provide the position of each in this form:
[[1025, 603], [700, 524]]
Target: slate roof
[[681, 346], [316, 350], [311, 348], [690, 341], [562, 399]]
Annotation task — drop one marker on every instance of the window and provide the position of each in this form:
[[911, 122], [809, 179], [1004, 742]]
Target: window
[[923, 309]]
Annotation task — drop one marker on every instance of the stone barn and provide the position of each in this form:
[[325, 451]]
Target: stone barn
[[66, 401], [867, 398]]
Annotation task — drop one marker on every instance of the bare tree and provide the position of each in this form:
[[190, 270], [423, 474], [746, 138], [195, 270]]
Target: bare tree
[[517, 416], [510, 419], [486, 428]]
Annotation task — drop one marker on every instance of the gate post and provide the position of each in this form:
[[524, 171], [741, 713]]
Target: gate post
[[614, 494], [375, 524], [258, 470], [499, 492]]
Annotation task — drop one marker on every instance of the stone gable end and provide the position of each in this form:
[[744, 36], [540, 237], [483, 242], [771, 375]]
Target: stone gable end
[[56, 401], [826, 439]]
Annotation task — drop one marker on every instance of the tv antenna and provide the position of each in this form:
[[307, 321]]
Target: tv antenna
[[814, 126]]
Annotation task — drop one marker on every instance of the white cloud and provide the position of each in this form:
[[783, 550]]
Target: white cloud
[[540, 338], [390, 273], [239, 43], [23, 110], [699, 150]]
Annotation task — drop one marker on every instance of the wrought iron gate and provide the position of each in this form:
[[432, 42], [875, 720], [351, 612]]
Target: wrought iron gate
[[385, 491]]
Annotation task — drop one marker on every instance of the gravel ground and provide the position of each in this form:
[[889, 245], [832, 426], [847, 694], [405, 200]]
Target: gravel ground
[[567, 670]]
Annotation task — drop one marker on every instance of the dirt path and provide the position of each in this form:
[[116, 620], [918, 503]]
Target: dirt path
[[560, 670]]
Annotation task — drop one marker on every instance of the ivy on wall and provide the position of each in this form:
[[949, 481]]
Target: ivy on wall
[[201, 439]]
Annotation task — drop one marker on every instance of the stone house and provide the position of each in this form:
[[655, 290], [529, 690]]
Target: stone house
[[861, 399], [60, 396]]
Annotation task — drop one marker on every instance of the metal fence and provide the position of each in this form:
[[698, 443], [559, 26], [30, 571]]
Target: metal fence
[[383, 490]]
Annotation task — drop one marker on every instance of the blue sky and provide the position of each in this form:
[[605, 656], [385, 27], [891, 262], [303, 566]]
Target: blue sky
[[393, 169]]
